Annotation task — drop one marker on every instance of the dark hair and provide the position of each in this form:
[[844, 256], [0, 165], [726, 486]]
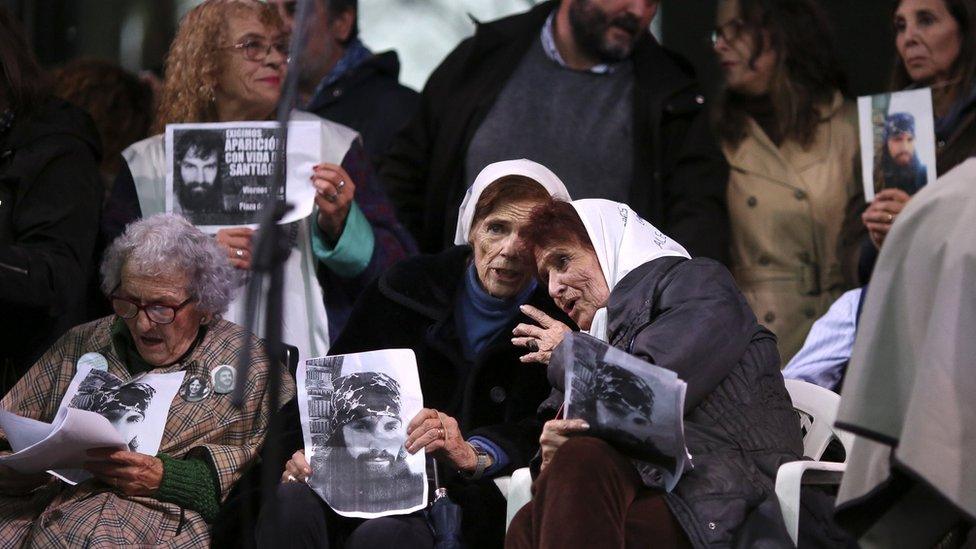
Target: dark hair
[[511, 188], [204, 142], [120, 104], [554, 222], [964, 12], [342, 6], [806, 76], [22, 82]]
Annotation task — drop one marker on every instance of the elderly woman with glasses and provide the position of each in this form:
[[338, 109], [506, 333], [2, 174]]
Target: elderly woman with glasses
[[226, 64], [168, 283]]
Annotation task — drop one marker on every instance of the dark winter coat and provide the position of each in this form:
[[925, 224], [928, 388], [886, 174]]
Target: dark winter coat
[[369, 99], [680, 174], [688, 316], [50, 202]]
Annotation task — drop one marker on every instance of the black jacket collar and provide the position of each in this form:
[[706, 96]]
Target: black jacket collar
[[427, 284]]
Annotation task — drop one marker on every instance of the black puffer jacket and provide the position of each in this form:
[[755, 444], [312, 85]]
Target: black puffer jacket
[[688, 316], [50, 201]]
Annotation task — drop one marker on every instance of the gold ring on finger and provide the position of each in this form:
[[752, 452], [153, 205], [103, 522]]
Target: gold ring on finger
[[239, 252], [341, 184], [890, 217]]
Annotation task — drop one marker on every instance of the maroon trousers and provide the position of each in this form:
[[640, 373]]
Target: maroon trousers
[[591, 496]]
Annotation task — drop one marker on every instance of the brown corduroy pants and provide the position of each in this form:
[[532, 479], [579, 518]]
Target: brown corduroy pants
[[591, 496]]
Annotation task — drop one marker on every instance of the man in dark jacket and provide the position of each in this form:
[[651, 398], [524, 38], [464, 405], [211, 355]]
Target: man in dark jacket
[[582, 88], [341, 80]]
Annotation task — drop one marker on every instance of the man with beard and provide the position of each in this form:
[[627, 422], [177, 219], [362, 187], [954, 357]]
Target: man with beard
[[618, 405], [197, 156], [579, 86], [364, 463], [900, 166]]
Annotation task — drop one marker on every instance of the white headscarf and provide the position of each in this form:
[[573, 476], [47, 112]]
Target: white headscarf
[[493, 172], [623, 241]]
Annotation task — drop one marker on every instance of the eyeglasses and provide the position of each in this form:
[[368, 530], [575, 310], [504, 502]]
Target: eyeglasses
[[728, 31], [160, 314], [259, 50]]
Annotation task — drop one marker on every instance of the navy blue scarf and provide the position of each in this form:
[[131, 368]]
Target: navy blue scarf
[[479, 317]]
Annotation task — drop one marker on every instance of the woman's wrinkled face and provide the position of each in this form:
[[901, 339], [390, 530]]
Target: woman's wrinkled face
[[250, 86], [575, 280], [928, 40], [735, 46], [504, 269], [160, 344]]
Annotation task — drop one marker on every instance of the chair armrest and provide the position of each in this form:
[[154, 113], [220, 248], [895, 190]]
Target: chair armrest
[[790, 477], [519, 493]]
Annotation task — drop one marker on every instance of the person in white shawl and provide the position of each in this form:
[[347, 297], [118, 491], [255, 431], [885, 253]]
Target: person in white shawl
[[910, 386], [627, 283]]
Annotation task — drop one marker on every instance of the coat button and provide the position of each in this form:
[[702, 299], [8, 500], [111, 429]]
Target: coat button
[[700, 99], [497, 394], [711, 525], [941, 143], [752, 201], [800, 195], [769, 317], [764, 260], [337, 92]]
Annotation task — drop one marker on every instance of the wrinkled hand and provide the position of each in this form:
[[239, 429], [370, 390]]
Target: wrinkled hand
[[557, 431], [128, 473], [438, 433], [881, 213], [334, 191], [541, 339], [236, 242], [297, 469], [15, 484]]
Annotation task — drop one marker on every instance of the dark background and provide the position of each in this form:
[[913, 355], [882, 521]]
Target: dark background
[[64, 29]]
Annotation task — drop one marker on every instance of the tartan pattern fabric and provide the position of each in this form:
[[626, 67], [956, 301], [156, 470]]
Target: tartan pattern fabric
[[90, 514]]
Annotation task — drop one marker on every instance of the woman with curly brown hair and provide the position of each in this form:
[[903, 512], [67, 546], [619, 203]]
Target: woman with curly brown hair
[[227, 63]]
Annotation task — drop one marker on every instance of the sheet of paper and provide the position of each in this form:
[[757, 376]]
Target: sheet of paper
[[64, 445], [355, 409], [220, 174], [636, 406], [897, 138]]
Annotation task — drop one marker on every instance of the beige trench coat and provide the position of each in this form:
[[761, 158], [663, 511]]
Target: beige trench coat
[[786, 207], [91, 514]]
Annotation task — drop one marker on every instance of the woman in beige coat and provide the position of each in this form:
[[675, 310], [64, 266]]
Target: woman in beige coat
[[791, 142]]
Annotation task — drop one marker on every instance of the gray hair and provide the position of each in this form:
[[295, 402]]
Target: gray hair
[[168, 243]]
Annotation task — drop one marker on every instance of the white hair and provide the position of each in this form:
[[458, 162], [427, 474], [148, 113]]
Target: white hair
[[165, 244]]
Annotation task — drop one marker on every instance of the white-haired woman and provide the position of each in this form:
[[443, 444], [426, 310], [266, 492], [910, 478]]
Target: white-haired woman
[[168, 284]]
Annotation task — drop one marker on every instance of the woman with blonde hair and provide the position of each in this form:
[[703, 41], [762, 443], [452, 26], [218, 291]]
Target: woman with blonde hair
[[227, 63]]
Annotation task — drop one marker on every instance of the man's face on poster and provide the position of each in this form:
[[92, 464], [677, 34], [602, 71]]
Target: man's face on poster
[[626, 419], [198, 171], [127, 423], [374, 442], [901, 148]]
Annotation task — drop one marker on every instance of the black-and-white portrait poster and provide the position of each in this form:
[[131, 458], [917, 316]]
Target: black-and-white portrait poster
[[635, 406], [897, 137], [355, 409], [137, 408], [220, 174]]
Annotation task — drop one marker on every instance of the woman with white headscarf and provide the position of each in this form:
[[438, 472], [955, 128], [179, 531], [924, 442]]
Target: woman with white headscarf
[[628, 284], [456, 311]]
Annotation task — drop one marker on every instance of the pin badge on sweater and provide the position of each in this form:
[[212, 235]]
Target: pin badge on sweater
[[223, 378], [196, 388], [95, 361]]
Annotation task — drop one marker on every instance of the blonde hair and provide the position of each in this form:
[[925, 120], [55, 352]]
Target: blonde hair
[[194, 63]]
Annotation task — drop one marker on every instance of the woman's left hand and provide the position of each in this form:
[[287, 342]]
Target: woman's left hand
[[129, 473], [439, 434], [541, 339], [334, 191]]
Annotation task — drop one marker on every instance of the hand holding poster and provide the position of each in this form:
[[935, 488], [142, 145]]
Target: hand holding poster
[[635, 406], [897, 135], [220, 174], [354, 410]]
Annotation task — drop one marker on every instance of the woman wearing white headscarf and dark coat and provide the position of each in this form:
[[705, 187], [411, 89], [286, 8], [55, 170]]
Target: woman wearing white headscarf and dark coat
[[628, 284], [456, 311]]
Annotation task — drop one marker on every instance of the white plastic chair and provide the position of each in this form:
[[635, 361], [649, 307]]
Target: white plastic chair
[[818, 409]]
